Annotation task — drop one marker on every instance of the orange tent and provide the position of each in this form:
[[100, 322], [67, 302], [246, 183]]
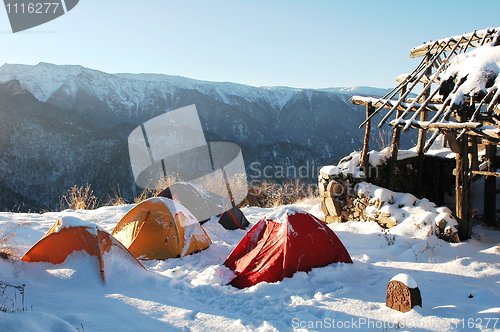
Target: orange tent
[[160, 228], [70, 234]]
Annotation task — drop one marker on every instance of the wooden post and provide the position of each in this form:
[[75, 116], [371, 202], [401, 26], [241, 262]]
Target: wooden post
[[364, 157], [396, 136], [422, 134], [490, 187], [474, 161], [462, 183]]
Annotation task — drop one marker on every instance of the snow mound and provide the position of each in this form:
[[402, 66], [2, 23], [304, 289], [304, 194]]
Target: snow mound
[[415, 217], [34, 322], [190, 293], [478, 68]]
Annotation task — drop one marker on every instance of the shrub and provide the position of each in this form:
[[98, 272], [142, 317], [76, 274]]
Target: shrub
[[78, 198], [7, 238]]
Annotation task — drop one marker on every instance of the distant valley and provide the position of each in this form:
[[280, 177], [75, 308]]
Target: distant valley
[[68, 125]]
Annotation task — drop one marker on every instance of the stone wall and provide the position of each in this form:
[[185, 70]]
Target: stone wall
[[345, 196]]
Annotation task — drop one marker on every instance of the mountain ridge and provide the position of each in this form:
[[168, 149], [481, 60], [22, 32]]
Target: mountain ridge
[[92, 113]]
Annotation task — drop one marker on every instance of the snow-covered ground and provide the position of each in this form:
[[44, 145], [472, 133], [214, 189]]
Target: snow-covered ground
[[459, 283]]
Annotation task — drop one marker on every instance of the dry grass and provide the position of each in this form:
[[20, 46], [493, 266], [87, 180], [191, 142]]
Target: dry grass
[[264, 193], [214, 182], [153, 192], [7, 239], [117, 198], [384, 139], [217, 184], [79, 198]]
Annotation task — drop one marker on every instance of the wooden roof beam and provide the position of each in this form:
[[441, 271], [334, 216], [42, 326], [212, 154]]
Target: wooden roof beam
[[377, 102], [437, 125], [468, 39]]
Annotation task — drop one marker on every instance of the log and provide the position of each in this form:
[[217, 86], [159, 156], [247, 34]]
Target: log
[[485, 173], [427, 71], [490, 184], [334, 189], [386, 222], [463, 184], [424, 79], [396, 136], [333, 206], [364, 158], [397, 89], [403, 293], [437, 125], [451, 137], [323, 207], [427, 96], [360, 100], [332, 219]]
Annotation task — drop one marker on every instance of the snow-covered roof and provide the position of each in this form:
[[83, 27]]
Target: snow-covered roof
[[458, 73]]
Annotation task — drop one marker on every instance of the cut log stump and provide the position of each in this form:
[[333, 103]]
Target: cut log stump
[[403, 293]]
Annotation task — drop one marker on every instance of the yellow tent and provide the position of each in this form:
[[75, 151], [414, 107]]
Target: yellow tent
[[160, 228]]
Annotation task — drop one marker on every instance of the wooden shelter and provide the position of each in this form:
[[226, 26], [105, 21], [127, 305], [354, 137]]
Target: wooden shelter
[[458, 95]]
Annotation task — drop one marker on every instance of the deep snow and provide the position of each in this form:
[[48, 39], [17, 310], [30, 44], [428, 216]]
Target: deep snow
[[459, 283]]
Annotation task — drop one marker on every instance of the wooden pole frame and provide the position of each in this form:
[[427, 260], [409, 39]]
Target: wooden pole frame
[[396, 136], [463, 184], [364, 157], [490, 184]]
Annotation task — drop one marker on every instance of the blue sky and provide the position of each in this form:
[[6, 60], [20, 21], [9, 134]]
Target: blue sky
[[306, 44]]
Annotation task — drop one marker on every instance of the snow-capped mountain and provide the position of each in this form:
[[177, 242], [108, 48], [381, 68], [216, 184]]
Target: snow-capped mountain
[[84, 116]]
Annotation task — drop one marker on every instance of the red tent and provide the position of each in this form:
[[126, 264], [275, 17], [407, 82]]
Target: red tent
[[281, 244]]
